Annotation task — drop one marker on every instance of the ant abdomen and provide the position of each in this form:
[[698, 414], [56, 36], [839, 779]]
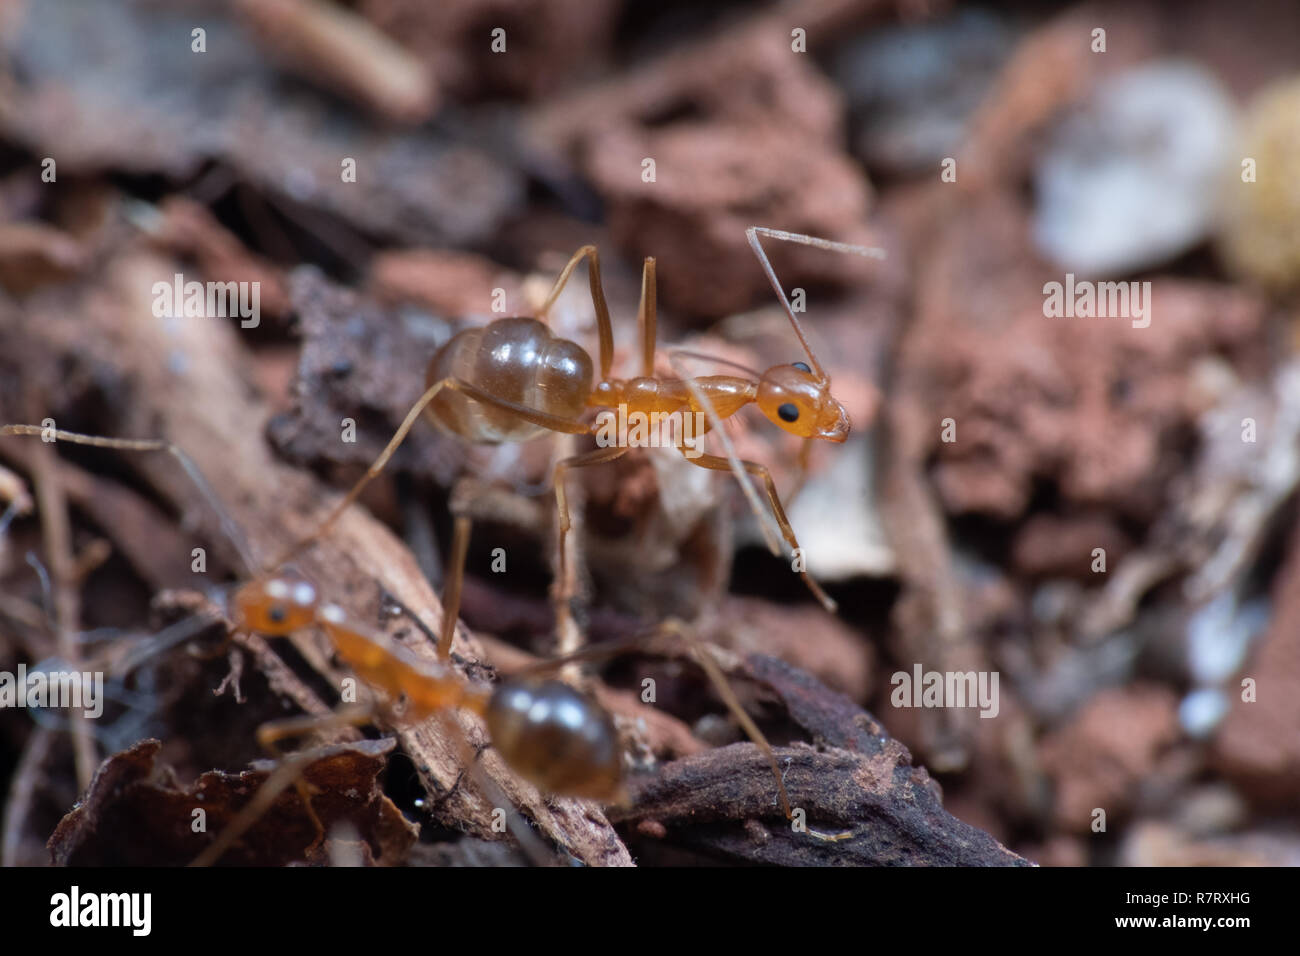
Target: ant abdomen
[[517, 360], [557, 738]]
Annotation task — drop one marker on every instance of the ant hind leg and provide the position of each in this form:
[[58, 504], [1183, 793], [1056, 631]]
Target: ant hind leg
[[564, 586], [704, 656]]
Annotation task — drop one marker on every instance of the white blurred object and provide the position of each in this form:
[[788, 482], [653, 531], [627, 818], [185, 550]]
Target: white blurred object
[[1219, 634], [1201, 711], [836, 520], [1129, 180]]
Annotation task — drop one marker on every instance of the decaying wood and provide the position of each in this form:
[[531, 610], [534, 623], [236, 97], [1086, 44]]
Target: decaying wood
[[331, 44], [858, 780], [131, 794]]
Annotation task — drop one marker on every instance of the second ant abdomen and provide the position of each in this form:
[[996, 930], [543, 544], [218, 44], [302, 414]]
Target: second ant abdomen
[[557, 738], [518, 360]]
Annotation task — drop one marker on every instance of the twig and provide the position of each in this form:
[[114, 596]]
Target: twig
[[67, 602], [21, 791]]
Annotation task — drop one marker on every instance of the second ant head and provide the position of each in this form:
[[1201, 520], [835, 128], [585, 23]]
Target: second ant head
[[793, 398], [275, 607]]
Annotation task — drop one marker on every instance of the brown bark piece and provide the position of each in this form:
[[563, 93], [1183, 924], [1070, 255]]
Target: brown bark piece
[[131, 795], [1258, 746], [862, 782], [1099, 758]]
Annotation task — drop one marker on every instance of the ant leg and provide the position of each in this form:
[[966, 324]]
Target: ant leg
[[753, 232], [529, 842], [603, 327], [228, 526], [706, 660], [701, 400], [760, 471], [597, 457], [371, 473], [454, 577], [287, 774], [801, 470], [647, 318], [720, 683], [553, 422]]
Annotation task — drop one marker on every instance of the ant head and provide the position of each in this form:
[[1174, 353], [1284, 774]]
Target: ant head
[[794, 398], [275, 606], [557, 739]]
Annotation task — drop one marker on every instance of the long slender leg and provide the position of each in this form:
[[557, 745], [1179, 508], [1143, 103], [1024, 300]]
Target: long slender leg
[[723, 687], [760, 471], [454, 572], [647, 318], [599, 456], [552, 422], [753, 232], [720, 683], [801, 470], [534, 848], [603, 327], [701, 398]]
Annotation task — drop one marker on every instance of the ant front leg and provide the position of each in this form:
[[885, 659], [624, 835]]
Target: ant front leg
[[716, 463], [647, 318], [454, 579]]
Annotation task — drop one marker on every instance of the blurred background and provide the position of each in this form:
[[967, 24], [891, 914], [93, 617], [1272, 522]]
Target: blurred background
[[1101, 511]]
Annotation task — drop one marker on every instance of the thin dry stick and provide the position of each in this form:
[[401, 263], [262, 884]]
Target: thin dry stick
[[67, 603], [21, 792]]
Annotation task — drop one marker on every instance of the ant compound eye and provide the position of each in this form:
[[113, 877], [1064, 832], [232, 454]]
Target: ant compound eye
[[803, 367], [789, 412]]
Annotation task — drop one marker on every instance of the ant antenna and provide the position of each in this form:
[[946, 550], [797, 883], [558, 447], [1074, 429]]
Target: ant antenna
[[753, 232], [718, 428], [706, 357], [228, 526]]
